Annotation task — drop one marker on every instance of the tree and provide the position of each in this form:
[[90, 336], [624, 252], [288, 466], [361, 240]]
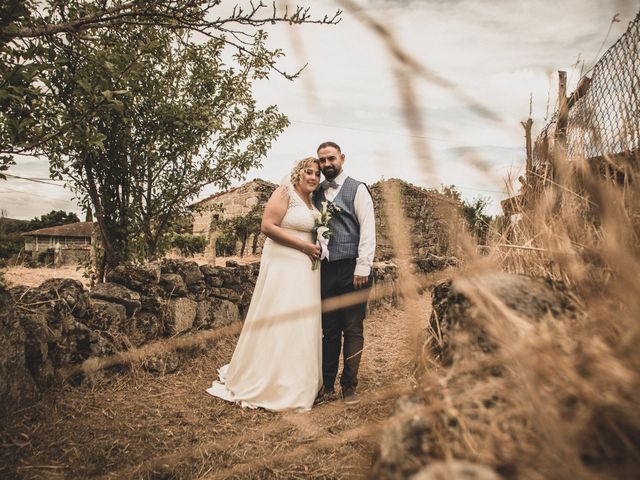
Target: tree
[[31, 31], [52, 219], [473, 212], [131, 110]]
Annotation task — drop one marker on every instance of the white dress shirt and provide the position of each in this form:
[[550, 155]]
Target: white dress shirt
[[363, 206]]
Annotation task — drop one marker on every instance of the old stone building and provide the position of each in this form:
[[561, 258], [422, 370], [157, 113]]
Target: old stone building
[[433, 220], [428, 212], [210, 214], [68, 244]]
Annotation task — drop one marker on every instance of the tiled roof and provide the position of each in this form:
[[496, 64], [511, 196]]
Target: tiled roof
[[78, 229]]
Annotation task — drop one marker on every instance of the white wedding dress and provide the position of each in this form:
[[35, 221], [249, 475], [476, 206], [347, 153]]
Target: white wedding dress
[[277, 363]]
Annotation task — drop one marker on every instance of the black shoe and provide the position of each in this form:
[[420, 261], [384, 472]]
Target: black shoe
[[325, 395], [350, 397]]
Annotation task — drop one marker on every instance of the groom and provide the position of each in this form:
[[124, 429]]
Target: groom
[[351, 249]]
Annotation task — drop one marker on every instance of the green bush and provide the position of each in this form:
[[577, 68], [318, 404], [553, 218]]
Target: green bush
[[46, 257], [188, 244], [226, 244]]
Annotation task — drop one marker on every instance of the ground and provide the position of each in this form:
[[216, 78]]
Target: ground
[[140, 425], [32, 277]]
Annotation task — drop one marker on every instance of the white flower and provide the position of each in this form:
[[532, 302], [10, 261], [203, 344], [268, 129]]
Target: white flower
[[322, 230]]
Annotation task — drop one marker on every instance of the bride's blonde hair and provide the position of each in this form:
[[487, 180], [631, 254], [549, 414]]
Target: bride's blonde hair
[[296, 172]]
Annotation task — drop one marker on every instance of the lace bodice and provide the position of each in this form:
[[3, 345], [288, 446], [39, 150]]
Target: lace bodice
[[299, 218]]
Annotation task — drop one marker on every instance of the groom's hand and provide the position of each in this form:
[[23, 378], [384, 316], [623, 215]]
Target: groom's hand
[[359, 282]]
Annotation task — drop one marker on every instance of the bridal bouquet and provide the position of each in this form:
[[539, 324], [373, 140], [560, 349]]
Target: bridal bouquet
[[322, 232]]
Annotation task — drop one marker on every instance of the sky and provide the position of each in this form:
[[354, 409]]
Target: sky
[[499, 53]]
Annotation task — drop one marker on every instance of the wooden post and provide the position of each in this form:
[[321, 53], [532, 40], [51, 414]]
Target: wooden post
[[558, 157], [527, 135]]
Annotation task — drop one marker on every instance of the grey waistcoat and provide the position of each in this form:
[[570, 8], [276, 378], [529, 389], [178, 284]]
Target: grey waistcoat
[[345, 228]]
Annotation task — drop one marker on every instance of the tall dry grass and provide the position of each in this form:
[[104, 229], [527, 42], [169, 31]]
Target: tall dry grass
[[565, 402]]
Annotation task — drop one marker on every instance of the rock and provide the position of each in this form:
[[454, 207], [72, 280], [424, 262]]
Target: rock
[[404, 444], [162, 362], [56, 296], [191, 273], [17, 385], [114, 293], [215, 312], [232, 295], [148, 326], [433, 263], [456, 469], [108, 316], [460, 325], [181, 312], [152, 301], [136, 277], [231, 264], [38, 337], [173, 284]]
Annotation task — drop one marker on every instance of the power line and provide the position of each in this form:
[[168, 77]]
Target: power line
[[35, 180], [424, 137]]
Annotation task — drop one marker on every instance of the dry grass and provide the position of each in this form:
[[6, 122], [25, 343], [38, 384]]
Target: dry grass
[[32, 277], [137, 425]]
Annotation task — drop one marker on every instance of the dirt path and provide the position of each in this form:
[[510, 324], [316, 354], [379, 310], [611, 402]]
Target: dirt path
[[139, 425]]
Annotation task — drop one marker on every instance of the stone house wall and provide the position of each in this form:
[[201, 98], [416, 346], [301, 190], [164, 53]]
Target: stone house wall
[[429, 214], [231, 204]]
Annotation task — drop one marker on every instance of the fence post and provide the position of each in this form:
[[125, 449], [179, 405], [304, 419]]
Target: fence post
[[527, 135], [559, 154]]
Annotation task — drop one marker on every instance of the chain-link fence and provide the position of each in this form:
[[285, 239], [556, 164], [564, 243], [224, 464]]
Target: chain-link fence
[[603, 116]]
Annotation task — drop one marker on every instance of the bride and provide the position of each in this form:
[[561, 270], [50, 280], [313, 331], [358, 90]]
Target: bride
[[277, 363]]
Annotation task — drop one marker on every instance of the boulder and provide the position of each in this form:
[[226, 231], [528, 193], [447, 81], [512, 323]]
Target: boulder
[[17, 385], [456, 469], [179, 316], [233, 295], [405, 444], [173, 284], [115, 293], [215, 312], [136, 277], [458, 326]]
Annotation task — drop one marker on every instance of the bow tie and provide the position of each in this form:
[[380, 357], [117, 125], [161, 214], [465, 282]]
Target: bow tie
[[329, 184]]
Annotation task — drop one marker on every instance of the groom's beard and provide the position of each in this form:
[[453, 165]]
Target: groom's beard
[[330, 173]]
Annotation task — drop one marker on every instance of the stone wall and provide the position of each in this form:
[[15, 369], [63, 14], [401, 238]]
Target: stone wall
[[429, 214], [60, 323]]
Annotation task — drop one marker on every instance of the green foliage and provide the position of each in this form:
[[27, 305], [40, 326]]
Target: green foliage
[[188, 244], [10, 239], [133, 112], [52, 219], [226, 243], [45, 257], [238, 229], [473, 212]]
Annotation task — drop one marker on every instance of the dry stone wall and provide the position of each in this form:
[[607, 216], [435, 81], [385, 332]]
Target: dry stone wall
[[60, 323]]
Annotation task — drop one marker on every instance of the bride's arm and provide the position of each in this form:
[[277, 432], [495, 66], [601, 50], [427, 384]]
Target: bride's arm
[[274, 212]]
